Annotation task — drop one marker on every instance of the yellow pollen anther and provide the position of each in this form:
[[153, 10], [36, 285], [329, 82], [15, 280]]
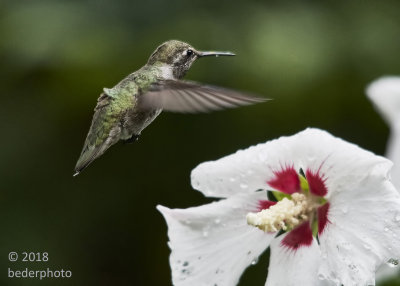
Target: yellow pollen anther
[[283, 215]]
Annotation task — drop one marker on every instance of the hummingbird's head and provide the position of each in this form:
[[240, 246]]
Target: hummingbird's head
[[179, 56]]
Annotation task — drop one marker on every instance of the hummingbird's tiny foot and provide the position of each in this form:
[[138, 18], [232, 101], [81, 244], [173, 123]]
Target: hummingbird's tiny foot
[[131, 140]]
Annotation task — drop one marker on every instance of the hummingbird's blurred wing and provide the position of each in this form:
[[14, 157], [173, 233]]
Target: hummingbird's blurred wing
[[192, 97]]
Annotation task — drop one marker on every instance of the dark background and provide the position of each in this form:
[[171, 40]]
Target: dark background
[[314, 58]]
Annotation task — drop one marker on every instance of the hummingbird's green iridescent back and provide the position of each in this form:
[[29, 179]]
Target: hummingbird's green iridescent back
[[111, 118]]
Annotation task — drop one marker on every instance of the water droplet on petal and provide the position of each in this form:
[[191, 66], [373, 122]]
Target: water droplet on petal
[[367, 247], [254, 261], [243, 186], [321, 276], [344, 245], [186, 263], [205, 233], [352, 267], [393, 262], [344, 210], [232, 179], [397, 218], [386, 229], [217, 221]]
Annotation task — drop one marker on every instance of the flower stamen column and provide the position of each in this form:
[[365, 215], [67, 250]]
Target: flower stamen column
[[297, 207]]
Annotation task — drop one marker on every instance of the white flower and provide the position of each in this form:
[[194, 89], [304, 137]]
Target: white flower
[[340, 212], [385, 94]]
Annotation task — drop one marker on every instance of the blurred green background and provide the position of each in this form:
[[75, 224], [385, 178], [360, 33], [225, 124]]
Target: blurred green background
[[314, 58]]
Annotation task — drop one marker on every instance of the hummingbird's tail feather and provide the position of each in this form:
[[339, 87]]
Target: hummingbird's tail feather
[[87, 157], [82, 163], [91, 152], [104, 132]]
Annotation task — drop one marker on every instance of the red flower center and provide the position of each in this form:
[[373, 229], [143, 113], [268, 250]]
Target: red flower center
[[313, 185]]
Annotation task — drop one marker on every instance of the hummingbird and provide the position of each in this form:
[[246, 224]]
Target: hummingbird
[[123, 111]]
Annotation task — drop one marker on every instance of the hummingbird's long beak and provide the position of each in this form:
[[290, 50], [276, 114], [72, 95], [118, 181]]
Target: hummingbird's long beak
[[215, 54]]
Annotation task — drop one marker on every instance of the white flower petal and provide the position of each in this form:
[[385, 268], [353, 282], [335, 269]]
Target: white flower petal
[[363, 232], [393, 152], [293, 268], [385, 94], [212, 244], [313, 149]]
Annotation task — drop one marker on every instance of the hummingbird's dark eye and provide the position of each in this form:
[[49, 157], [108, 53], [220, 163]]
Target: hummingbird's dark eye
[[189, 52]]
